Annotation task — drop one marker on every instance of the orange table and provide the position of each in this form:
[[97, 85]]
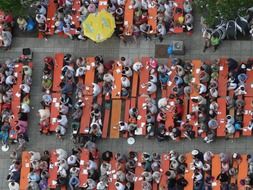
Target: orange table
[[221, 116], [216, 169], [89, 76], [116, 91], [16, 99], [25, 170], [243, 171], [54, 111], [189, 173], [144, 75], [128, 18], [53, 168], [51, 10], [57, 72], [165, 165], [102, 5], [138, 171], [141, 119], [134, 83], [222, 79], [83, 175], [75, 16], [112, 174], [249, 84], [194, 91], [152, 14], [247, 115], [115, 118]]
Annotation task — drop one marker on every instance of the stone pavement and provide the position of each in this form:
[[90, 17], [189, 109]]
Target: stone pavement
[[112, 48]]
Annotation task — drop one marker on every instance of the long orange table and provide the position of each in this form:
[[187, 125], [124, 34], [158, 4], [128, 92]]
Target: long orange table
[[165, 165], [115, 118], [152, 16], [189, 173], [128, 18], [85, 119], [89, 76], [16, 98], [57, 72], [249, 84], [221, 116], [25, 170], [247, 116], [116, 90], [51, 10], [102, 5], [222, 79], [83, 175], [112, 174], [243, 171], [144, 76], [216, 169], [138, 171], [55, 110], [194, 90], [53, 168]]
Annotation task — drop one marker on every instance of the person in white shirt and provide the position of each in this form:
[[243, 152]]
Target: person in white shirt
[[119, 186], [25, 108], [96, 89], [41, 19], [60, 131], [125, 82], [13, 185], [41, 10], [74, 171], [92, 165], [72, 160], [80, 71], [137, 66], [62, 120], [127, 71], [61, 154], [25, 88], [108, 78], [151, 87], [202, 88], [34, 156], [123, 126], [10, 80]]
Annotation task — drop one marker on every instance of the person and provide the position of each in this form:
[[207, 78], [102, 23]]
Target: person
[[215, 41]]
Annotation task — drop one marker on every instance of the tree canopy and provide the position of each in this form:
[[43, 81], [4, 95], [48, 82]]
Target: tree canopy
[[215, 10], [16, 7]]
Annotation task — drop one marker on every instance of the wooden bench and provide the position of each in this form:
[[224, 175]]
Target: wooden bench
[[138, 171], [53, 168], [83, 174], [128, 18], [54, 110], [165, 165], [189, 173], [223, 76], [102, 5], [57, 72], [247, 116], [25, 170], [221, 117], [243, 171], [216, 170], [106, 122]]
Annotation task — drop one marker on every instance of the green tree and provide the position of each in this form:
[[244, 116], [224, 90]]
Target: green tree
[[215, 10], [16, 7]]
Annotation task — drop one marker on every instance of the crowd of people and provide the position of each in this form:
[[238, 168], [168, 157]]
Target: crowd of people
[[6, 27], [179, 76], [166, 20], [119, 171], [14, 126]]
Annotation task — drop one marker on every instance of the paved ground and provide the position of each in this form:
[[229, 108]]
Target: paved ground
[[240, 50]]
